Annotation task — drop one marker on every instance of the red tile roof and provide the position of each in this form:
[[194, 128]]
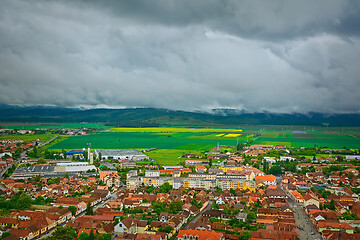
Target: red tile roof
[[202, 234], [337, 225], [269, 178]]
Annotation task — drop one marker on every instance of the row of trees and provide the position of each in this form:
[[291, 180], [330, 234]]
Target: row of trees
[[22, 201], [69, 233]]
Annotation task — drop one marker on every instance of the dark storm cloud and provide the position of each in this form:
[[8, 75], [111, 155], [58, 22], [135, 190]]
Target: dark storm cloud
[[281, 56]]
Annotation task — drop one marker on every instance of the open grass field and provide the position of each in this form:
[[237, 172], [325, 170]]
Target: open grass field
[[310, 138], [168, 156], [28, 137], [140, 140], [170, 142], [55, 126]]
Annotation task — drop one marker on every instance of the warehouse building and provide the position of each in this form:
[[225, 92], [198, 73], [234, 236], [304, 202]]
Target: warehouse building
[[59, 170], [74, 167], [120, 154], [28, 172]]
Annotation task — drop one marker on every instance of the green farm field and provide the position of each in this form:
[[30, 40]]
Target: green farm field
[[112, 140], [310, 139], [171, 143], [28, 137], [55, 126]]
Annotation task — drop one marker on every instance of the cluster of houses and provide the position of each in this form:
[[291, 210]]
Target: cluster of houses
[[32, 224], [8, 147], [47, 188], [225, 177], [328, 201], [274, 215], [41, 219], [154, 225]]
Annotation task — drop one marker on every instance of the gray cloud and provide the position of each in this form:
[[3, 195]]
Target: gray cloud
[[281, 56]]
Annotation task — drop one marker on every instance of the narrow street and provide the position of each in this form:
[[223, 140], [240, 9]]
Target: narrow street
[[303, 222], [186, 226]]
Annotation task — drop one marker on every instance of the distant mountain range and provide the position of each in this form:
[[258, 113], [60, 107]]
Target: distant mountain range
[[136, 117]]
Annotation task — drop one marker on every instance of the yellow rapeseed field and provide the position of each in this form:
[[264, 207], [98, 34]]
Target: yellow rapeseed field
[[232, 135], [174, 130]]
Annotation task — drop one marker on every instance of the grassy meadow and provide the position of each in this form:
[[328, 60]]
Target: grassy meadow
[[310, 138], [28, 137]]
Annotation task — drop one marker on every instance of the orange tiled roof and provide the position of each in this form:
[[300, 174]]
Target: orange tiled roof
[[337, 225], [202, 234], [200, 167], [269, 178], [104, 174], [297, 195]]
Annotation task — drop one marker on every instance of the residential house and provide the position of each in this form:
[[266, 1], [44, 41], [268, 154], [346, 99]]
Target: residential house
[[194, 234], [127, 225]]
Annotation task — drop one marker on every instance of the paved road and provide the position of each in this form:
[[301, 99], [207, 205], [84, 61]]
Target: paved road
[[186, 226], [43, 144], [303, 222]]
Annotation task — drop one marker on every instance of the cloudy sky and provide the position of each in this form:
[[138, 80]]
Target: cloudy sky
[[279, 55]]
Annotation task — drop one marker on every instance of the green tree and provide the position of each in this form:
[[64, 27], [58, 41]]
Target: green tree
[[50, 181], [24, 201], [332, 205], [240, 146], [276, 170], [265, 166], [175, 206], [215, 206], [84, 236], [159, 207], [73, 210], [246, 235], [213, 219], [92, 235], [251, 217], [218, 189], [5, 234], [35, 152], [196, 203], [166, 229], [41, 161], [89, 209], [164, 188], [149, 189], [63, 233], [106, 236]]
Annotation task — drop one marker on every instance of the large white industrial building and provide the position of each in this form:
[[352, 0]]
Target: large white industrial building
[[120, 154], [74, 167]]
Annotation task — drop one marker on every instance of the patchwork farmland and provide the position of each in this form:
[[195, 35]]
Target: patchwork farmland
[[171, 143]]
